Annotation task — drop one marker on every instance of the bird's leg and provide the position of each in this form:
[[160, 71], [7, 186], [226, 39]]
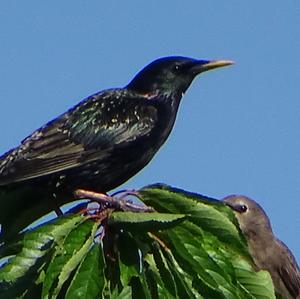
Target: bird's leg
[[106, 202], [58, 211], [128, 205], [125, 193], [55, 206], [98, 197], [114, 202]]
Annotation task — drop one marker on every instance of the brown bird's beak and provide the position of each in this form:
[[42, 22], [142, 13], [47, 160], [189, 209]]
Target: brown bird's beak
[[231, 205]]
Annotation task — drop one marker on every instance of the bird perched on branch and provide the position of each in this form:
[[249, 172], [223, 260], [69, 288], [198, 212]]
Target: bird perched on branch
[[267, 251], [98, 144]]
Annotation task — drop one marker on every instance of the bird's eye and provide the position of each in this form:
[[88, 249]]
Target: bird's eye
[[177, 67], [243, 208]]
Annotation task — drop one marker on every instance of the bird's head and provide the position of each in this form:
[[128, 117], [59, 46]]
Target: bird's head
[[250, 215], [172, 75]]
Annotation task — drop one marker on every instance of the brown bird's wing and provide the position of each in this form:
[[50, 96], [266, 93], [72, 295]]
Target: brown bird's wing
[[290, 274], [85, 133]]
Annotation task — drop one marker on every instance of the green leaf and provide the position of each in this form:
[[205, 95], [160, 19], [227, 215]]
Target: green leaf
[[67, 257], [140, 288], [145, 221], [155, 279], [126, 293], [189, 253], [258, 284], [89, 280], [209, 214], [129, 258], [23, 269], [191, 247], [166, 274]]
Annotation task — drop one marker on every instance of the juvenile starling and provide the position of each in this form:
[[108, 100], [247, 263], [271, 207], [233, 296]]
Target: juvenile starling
[[267, 251], [98, 144]]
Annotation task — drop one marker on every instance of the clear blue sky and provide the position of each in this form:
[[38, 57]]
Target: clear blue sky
[[237, 130]]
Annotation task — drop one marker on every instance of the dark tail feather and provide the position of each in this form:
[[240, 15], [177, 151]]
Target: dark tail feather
[[21, 206]]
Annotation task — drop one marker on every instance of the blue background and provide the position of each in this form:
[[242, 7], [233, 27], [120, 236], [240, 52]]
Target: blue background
[[237, 130]]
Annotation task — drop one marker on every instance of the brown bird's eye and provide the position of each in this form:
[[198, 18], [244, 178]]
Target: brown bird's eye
[[243, 208]]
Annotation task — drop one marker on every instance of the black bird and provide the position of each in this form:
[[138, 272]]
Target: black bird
[[267, 251], [98, 144]]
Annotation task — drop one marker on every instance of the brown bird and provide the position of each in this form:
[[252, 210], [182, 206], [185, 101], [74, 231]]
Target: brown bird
[[267, 251]]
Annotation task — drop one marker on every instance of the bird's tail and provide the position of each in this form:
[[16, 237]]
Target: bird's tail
[[20, 206]]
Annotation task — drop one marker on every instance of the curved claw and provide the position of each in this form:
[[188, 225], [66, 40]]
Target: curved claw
[[114, 202]]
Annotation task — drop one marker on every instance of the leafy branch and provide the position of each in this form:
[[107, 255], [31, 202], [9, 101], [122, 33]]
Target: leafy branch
[[189, 247]]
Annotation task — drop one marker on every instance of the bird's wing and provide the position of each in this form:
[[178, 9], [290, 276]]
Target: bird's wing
[[85, 133], [290, 274]]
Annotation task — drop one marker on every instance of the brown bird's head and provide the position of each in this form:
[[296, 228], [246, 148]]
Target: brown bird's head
[[250, 215], [267, 251]]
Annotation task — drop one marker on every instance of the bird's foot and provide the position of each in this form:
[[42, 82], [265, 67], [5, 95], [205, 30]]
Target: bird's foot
[[114, 202], [86, 194]]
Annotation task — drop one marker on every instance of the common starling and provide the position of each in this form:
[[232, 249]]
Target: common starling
[[98, 144], [267, 251]]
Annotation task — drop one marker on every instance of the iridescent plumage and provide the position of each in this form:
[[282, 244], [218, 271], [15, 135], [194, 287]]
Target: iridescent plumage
[[98, 144]]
